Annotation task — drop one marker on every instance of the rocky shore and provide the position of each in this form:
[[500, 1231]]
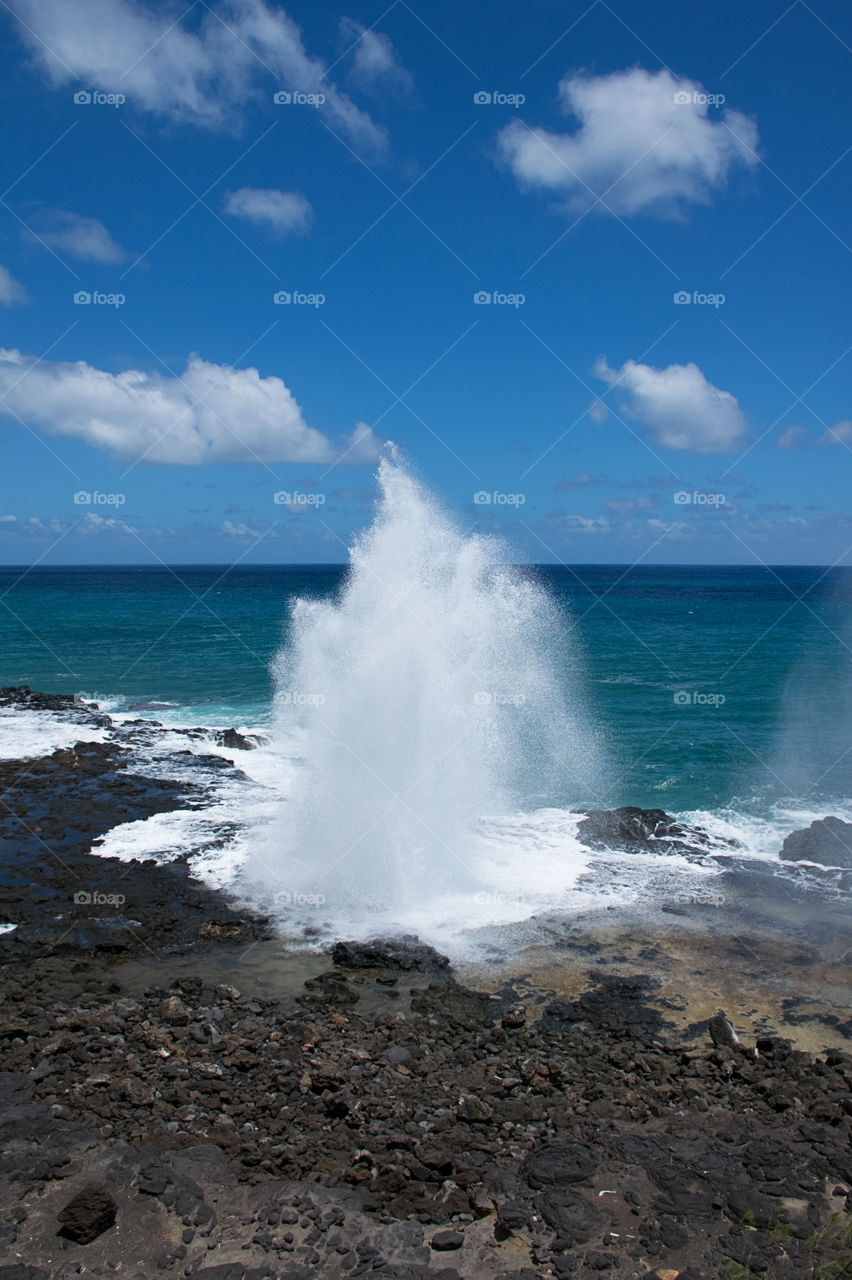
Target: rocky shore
[[384, 1119]]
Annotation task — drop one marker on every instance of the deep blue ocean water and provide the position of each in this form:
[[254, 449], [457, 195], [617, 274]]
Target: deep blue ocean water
[[714, 687]]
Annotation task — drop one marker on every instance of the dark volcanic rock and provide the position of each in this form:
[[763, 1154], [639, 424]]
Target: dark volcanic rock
[[87, 1215], [569, 1215], [633, 830], [235, 741], [612, 1004], [405, 955], [560, 1164], [827, 841]]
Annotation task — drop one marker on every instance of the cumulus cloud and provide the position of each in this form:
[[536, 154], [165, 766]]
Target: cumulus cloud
[[10, 290], [280, 212], [199, 72], [84, 238], [212, 413], [375, 62], [680, 408], [636, 147], [840, 433]]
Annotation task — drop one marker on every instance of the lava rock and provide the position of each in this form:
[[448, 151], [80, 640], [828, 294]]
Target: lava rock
[[445, 1241], [554, 1165], [406, 955], [88, 1215], [827, 841]]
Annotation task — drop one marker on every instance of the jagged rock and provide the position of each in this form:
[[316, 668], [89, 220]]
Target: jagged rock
[[91, 1212], [827, 841], [406, 955], [722, 1032], [633, 830], [474, 1110], [236, 741]]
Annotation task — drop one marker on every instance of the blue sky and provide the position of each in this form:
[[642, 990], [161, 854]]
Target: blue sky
[[624, 154]]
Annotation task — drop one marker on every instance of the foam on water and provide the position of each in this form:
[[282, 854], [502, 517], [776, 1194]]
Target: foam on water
[[25, 734]]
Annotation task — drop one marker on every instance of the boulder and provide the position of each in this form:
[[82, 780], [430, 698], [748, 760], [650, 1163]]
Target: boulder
[[87, 1215], [827, 841], [633, 830]]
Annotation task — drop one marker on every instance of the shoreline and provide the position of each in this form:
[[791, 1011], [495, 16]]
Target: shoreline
[[244, 1110]]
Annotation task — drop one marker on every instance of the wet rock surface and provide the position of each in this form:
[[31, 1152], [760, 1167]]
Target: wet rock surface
[[53, 808], [192, 1127], [633, 830], [827, 841]]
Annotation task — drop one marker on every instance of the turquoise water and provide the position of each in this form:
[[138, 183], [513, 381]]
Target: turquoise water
[[759, 660]]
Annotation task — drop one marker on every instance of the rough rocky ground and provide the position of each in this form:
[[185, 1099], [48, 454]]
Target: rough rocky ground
[[189, 1128], [236, 1138]]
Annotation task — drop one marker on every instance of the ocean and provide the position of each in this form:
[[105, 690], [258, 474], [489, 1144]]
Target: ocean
[[713, 687], [431, 719]]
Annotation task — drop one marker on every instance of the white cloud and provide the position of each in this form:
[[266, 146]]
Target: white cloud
[[240, 530], [84, 238], [10, 290], [840, 433], [278, 211], [212, 413], [8, 519], [680, 408], [375, 61], [635, 146], [202, 72], [792, 438]]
